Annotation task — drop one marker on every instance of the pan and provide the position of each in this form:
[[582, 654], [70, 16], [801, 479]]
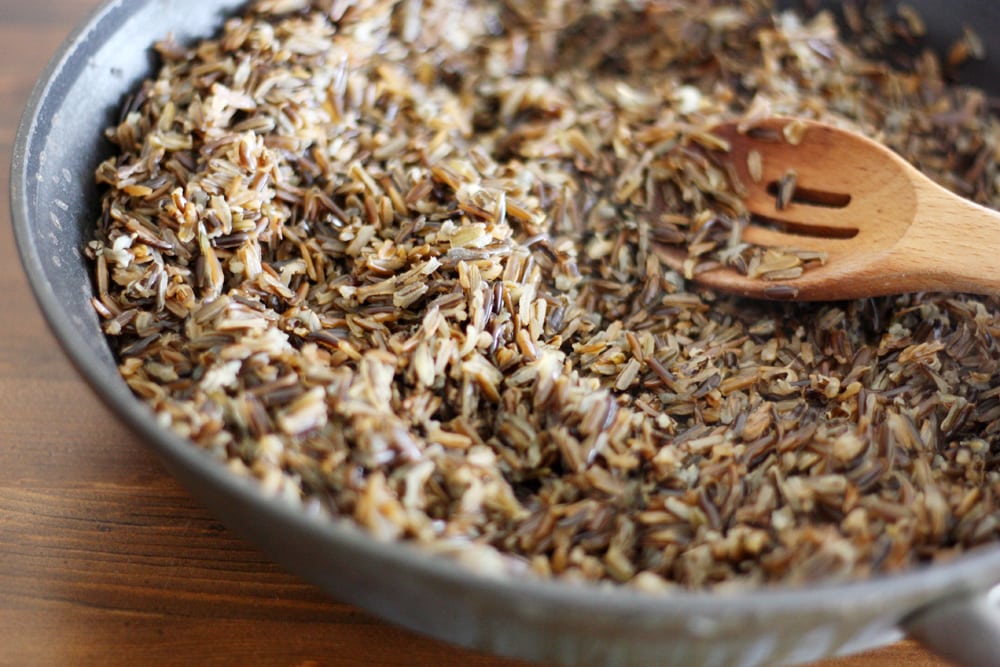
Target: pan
[[953, 608]]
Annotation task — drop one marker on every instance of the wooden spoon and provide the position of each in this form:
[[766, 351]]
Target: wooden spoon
[[885, 227]]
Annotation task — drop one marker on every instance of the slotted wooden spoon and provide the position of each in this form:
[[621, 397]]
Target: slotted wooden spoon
[[885, 227]]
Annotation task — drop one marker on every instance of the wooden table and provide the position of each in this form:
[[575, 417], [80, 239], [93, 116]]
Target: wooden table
[[104, 559]]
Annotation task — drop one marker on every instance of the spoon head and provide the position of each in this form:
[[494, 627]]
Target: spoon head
[[815, 188]]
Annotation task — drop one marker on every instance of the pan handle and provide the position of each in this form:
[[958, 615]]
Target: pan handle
[[964, 629]]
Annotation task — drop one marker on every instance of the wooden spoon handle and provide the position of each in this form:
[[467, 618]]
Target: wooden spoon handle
[[952, 245]]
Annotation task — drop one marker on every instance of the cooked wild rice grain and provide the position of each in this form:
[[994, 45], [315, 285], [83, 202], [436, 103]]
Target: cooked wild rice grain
[[410, 276]]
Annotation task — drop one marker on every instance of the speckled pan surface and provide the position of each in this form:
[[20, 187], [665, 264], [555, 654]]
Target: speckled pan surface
[[53, 201]]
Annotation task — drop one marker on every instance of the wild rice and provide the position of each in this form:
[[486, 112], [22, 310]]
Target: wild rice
[[411, 276]]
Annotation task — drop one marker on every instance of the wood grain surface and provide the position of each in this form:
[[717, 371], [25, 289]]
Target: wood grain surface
[[104, 559]]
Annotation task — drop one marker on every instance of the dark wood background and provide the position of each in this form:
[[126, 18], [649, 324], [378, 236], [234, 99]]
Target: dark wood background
[[104, 559]]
